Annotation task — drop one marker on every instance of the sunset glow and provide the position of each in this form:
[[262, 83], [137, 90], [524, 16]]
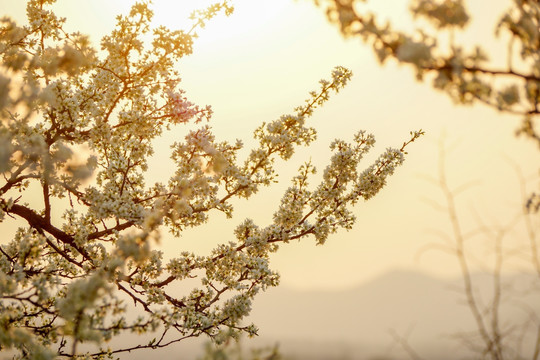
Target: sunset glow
[[344, 179]]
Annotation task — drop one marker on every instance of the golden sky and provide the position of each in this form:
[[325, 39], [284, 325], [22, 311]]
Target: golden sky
[[262, 61]]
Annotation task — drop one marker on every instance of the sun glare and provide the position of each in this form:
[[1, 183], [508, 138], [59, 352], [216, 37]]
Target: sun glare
[[249, 19]]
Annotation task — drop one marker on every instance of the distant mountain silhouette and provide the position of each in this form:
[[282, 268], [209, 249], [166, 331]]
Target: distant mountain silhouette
[[357, 323]]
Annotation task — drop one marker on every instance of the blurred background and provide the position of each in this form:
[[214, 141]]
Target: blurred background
[[370, 292]]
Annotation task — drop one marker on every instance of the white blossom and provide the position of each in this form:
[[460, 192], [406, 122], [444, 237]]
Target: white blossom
[[90, 122]]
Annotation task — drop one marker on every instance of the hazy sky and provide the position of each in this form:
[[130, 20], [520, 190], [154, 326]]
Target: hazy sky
[[262, 61]]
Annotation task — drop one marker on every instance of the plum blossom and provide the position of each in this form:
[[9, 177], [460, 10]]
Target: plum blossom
[[88, 253]]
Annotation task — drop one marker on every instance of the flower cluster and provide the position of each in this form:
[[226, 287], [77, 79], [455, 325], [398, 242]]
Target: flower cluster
[[84, 142], [448, 13]]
